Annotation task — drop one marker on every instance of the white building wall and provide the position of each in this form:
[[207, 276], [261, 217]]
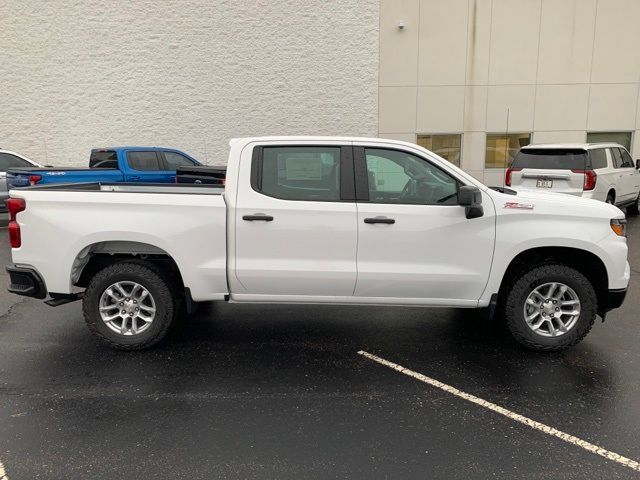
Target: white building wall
[[561, 67], [191, 75]]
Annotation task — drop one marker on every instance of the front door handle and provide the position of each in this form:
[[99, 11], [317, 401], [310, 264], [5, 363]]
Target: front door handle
[[386, 220], [258, 218]]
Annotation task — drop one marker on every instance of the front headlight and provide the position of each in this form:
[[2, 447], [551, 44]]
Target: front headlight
[[619, 226]]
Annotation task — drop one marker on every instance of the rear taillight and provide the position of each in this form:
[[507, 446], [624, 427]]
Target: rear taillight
[[507, 175], [15, 206], [590, 178], [33, 179]]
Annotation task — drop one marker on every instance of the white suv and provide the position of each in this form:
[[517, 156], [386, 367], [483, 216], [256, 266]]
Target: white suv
[[602, 171]]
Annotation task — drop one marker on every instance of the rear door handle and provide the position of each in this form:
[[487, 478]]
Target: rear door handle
[[258, 218], [134, 177], [386, 220]]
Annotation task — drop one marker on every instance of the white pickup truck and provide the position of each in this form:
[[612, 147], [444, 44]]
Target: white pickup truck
[[320, 220]]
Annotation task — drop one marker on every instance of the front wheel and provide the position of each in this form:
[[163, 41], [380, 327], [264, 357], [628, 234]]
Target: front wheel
[[128, 306], [635, 208], [550, 308]]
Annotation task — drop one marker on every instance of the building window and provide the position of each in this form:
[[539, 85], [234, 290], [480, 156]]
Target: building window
[[447, 146], [621, 138], [502, 148]]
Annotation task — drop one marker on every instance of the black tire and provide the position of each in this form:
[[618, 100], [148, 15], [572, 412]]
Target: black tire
[[610, 199], [635, 208], [150, 278], [529, 280]]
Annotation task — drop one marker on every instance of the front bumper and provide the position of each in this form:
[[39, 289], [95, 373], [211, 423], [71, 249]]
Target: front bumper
[[615, 298], [26, 281]]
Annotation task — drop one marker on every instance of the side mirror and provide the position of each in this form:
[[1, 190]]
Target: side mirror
[[637, 164], [470, 197]]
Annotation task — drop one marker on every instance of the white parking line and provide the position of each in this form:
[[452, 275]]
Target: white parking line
[[3, 473], [603, 452]]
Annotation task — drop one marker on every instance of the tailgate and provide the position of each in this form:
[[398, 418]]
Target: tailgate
[[207, 175], [560, 170], [560, 181], [17, 179]]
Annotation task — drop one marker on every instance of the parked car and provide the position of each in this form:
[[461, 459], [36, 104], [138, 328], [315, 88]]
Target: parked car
[[202, 175], [9, 160], [601, 171], [320, 220], [116, 164]]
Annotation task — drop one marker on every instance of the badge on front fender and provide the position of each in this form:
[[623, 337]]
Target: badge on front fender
[[519, 206]]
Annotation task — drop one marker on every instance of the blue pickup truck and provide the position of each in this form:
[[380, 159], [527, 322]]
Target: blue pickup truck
[[117, 164]]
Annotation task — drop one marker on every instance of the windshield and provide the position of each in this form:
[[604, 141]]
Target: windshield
[[547, 158]]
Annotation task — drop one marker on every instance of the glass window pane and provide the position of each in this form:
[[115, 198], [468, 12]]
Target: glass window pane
[[621, 138], [598, 158], [143, 160], [301, 173], [627, 162], [175, 160], [11, 161], [103, 159], [548, 158], [502, 148], [447, 146], [399, 177], [617, 158]]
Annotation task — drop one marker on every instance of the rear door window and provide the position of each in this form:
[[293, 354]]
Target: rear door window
[[299, 173], [103, 159], [11, 161], [617, 158], [143, 160], [598, 158], [552, 159]]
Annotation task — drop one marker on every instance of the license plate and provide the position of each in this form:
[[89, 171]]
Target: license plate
[[544, 183]]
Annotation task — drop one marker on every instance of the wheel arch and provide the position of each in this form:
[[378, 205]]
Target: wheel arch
[[612, 192], [98, 255], [587, 263]]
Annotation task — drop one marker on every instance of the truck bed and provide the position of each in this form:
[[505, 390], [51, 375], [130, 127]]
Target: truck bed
[[191, 189], [68, 223], [20, 177]]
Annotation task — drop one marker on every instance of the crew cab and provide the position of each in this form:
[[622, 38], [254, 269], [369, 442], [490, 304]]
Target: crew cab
[[115, 164], [601, 171], [320, 220]]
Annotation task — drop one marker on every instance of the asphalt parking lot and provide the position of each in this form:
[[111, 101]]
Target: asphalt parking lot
[[281, 392]]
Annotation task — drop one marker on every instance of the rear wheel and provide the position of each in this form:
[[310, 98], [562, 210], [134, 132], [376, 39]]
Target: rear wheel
[[635, 208], [550, 308], [610, 199], [129, 306]]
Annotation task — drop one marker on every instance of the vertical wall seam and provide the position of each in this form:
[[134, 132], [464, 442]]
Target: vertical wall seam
[[464, 94], [379, 68], [593, 50], [486, 107], [535, 88], [415, 113]]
